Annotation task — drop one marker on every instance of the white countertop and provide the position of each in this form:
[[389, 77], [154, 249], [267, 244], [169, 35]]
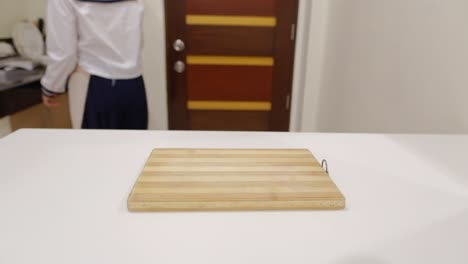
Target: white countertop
[[63, 200]]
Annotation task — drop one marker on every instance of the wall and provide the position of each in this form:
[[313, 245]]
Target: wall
[[36, 9], [314, 46], [300, 64], [5, 126], [390, 66], [12, 12], [155, 63]]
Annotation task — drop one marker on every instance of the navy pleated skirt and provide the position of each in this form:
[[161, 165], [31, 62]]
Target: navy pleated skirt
[[116, 104]]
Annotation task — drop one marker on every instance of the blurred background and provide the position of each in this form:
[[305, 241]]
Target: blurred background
[[372, 66]]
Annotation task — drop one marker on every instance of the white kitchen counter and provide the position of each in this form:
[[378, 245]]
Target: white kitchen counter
[[63, 200]]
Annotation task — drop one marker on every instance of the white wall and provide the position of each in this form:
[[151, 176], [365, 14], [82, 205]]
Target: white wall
[[12, 11], [155, 63], [314, 46], [36, 9], [300, 64], [390, 66], [5, 126]]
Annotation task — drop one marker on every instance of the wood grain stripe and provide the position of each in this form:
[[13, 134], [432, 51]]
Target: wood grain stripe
[[237, 164], [215, 152], [241, 191], [171, 197], [228, 156], [216, 20], [233, 184], [234, 173], [230, 160], [231, 178], [315, 204], [233, 168], [230, 60]]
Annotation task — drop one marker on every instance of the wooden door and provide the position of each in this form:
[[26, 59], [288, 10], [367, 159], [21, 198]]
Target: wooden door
[[230, 63]]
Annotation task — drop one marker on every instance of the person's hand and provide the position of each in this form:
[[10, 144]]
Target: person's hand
[[50, 101]]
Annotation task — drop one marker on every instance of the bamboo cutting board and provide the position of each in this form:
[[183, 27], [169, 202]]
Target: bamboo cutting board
[[233, 179]]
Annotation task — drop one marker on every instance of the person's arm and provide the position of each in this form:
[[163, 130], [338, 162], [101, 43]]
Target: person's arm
[[62, 42]]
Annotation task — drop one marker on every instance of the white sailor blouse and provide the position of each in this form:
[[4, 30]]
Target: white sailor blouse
[[104, 39]]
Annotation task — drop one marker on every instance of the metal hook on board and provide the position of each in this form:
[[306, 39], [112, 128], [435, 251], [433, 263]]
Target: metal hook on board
[[325, 165]]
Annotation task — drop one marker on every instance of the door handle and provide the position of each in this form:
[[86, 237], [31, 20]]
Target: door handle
[[179, 66], [178, 45]]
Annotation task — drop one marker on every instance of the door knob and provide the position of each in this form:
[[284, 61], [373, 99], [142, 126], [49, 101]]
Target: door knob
[[178, 45], [179, 66]]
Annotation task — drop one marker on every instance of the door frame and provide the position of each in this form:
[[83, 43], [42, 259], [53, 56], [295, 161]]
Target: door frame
[[177, 96], [282, 90]]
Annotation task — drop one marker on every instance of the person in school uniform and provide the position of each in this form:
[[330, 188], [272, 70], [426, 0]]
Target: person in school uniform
[[94, 48]]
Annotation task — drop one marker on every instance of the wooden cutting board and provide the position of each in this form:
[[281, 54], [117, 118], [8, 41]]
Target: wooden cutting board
[[233, 179]]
